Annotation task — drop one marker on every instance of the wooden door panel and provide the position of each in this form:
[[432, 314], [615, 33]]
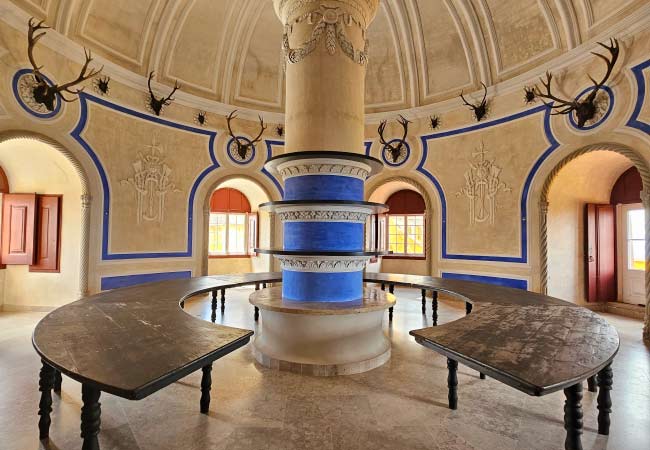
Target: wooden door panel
[[49, 234], [18, 221], [591, 267], [606, 232]]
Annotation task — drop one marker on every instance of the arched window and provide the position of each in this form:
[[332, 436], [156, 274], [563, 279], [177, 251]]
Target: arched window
[[402, 229], [233, 227]]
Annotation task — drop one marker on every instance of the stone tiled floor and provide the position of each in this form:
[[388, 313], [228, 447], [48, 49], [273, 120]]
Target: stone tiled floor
[[401, 405]]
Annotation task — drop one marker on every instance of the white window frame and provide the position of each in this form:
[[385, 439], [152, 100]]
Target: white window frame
[[386, 237], [250, 220]]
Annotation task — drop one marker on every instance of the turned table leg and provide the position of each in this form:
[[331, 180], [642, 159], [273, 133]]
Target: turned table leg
[[452, 383], [424, 301], [206, 385], [605, 381], [573, 417], [391, 290], [468, 308], [214, 306], [434, 306], [482, 375], [256, 315], [58, 380], [45, 383], [223, 300], [591, 384], [90, 417]]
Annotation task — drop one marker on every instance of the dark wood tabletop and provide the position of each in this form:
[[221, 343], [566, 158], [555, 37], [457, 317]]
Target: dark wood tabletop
[[133, 341]]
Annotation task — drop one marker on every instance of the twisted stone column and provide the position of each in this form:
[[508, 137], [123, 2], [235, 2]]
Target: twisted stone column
[[84, 245], [645, 198], [543, 246]]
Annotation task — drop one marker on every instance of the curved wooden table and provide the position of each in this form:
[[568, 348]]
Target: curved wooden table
[[133, 341]]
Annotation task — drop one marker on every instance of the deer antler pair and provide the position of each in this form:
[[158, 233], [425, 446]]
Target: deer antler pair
[[244, 145], [480, 109], [43, 92], [585, 109], [394, 149], [156, 103]]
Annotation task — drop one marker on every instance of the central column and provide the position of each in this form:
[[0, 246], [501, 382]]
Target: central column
[[325, 49], [322, 321]]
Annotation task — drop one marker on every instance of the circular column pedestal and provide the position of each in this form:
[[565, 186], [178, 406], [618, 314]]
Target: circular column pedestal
[[322, 338]]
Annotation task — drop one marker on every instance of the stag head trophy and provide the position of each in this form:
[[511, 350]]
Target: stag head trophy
[[480, 109], [156, 104], [585, 109], [395, 149], [244, 145], [44, 93]]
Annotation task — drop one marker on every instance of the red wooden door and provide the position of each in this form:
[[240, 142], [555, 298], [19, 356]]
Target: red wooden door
[[18, 220], [600, 253], [48, 241]]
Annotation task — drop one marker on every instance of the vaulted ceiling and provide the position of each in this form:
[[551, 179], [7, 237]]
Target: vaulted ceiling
[[422, 51]]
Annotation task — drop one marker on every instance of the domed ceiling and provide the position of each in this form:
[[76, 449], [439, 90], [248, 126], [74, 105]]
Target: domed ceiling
[[421, 51]]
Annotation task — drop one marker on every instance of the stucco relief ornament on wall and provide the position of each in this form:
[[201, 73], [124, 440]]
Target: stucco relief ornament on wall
[[330, 23], [482, 185], [151, 182]]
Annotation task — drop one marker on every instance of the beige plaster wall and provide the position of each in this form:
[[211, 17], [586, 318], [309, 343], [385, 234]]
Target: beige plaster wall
[[218, 266], [513, 147], [32, 166], [587, 179]]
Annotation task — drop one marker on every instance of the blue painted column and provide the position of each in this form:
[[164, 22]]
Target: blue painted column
[[323, 215], [325, 46]]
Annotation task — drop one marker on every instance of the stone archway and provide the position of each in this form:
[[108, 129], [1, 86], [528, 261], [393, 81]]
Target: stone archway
[[644, 171], [6, 136], [204, 232], [428, 232]]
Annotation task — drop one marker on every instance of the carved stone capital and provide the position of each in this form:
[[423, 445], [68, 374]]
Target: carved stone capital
[[363, 11], [645, 198], [86, 200]]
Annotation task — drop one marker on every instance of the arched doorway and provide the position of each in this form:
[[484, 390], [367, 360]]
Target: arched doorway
[[53, 268], [584, 176], [410, 213], [235, 226]]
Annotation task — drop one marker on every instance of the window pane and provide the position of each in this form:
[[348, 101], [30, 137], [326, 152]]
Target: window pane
[[636, 254], [217, 234], [236, 233], [636, 224], [396, 234]]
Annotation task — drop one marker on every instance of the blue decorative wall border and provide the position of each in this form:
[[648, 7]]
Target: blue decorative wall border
[[19, 100], [131, 280], [610, 108], [553, 144], [269, 155], [634, 121], [499, 281], [76, 133]]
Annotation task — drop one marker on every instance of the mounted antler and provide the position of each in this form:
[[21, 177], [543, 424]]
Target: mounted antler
[[156, 104], [243, 144], [480, 109], [43, 92], [394, 149], [585, 110]]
